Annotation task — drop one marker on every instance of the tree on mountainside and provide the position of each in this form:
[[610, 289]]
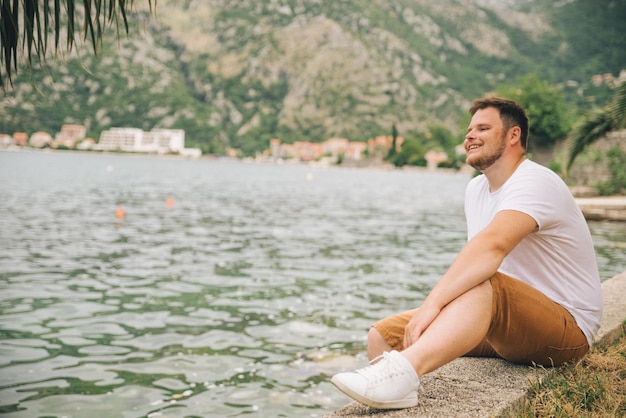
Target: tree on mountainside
[[394, 142], [546, 108], [597, 124], [27, 26]]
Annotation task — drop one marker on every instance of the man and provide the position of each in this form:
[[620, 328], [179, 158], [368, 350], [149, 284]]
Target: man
[[524, 288]]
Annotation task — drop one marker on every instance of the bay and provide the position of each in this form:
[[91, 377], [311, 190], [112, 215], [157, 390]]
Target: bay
[[241, 294]]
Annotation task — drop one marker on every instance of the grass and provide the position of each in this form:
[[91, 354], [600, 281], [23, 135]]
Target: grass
[[594, 387]]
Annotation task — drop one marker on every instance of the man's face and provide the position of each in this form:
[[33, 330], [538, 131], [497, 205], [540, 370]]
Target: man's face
[[485, 140]]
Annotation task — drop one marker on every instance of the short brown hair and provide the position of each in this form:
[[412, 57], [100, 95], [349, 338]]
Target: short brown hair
[[511, 113]]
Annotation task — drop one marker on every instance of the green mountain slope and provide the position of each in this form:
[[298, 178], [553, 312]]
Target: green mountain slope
[[238, 73]]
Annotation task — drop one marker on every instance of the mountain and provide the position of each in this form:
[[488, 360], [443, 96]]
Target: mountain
[[236, 73]]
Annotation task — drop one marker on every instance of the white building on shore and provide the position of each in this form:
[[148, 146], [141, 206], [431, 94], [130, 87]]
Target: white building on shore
[[122, 139], [159, 141]]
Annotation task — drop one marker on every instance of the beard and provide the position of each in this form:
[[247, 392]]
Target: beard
[[483, 162]]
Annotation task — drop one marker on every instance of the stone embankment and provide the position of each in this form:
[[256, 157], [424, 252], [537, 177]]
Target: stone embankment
[[472, 387], [612, 208]]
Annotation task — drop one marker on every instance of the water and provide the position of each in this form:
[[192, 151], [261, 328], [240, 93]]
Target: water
[[243, 298]]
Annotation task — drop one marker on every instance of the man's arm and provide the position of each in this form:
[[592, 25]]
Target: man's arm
[[476, 262]]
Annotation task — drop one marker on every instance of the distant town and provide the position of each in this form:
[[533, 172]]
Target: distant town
[[172, 142], [156, 141]]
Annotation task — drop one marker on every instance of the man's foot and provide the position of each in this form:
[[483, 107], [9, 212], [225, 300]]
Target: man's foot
[[389, 383]]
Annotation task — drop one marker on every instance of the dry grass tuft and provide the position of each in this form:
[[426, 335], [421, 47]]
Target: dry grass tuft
[[595, 387]]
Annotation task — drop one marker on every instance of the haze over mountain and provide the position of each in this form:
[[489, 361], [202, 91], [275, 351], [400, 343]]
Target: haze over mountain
[[236, 73]]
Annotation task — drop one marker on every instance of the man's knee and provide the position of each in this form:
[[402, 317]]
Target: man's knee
[[486, 286], [374, 337], [376, 344]]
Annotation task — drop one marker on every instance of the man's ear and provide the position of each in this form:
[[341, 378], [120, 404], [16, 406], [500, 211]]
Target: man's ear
[[515, 135]]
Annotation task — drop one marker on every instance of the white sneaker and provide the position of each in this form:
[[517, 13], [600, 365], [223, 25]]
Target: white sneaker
[[389, 383]]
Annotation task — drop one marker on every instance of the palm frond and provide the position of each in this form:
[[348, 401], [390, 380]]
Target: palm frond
[[9, 36], [30, 13], [618, 108], [593, 127], [89, 22], [57, 24], [42, 18]]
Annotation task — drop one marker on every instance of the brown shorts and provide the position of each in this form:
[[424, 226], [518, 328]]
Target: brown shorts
[[526, 327]]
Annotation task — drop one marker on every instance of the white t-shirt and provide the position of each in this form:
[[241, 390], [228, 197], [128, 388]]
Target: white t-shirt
[[559, 258]]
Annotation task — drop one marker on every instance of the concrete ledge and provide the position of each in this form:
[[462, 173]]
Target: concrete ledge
[[612, 208], [473, 387]]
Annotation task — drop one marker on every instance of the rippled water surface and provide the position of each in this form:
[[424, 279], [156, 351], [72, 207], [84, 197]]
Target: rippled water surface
[[243, 297]]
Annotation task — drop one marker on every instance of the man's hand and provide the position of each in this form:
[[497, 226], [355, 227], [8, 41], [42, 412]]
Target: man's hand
[[423, 317]]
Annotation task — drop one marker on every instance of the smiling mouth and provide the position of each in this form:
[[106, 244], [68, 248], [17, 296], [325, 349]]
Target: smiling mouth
[[472, 148]]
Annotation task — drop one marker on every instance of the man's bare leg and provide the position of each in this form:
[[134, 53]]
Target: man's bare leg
[[460, 327]]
